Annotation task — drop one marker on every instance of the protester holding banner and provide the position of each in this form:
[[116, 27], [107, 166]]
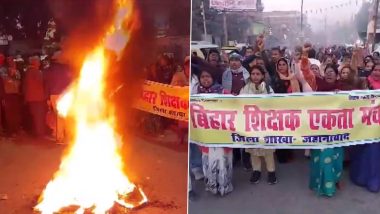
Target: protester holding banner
[[216, 161], [326, 165], [181, 79], [257, 85], [365, 159], [234, 79], [236, 76], [284, 82], [195, 155]]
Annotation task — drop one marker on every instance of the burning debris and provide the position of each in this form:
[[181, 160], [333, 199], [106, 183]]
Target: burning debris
[[91, 178]]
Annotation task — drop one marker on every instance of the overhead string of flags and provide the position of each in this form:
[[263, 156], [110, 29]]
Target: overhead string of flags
[[334, 7]]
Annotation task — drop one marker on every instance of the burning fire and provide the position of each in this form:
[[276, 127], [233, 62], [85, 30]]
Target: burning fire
[[91, 176]]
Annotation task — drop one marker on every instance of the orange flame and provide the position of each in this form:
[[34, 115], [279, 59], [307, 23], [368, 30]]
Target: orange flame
[[91, 174]]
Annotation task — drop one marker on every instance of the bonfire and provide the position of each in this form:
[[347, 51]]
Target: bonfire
[[90, 178]]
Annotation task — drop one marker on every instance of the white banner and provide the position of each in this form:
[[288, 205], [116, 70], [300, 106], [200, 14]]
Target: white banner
[[233, 4]]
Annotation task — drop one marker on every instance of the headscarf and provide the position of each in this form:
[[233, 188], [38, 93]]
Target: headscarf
[[315, 62], [294, 84]]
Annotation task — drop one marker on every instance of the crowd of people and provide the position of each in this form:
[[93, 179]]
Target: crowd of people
[[257, 70], [168, 71], [29, 88]]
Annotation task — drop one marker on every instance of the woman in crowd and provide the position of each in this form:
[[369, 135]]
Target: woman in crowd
[[216, 162], [326, 165], [257, 85], [315, 68], [365, 159], [369, 65], [284, 81], [348, 80], [326, 61]]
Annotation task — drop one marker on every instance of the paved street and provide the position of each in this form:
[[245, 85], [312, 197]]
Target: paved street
[[290, 196], [26, 166]]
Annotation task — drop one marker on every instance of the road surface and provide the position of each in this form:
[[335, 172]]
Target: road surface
[[289, 196], [27, 165]]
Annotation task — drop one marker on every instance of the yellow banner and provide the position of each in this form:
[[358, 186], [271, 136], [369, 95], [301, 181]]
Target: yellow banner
[[164, 100], [316, 120]]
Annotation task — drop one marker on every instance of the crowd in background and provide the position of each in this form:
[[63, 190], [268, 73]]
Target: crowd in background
[[29, 88], [32, 84], [167, 71], [257, 70]]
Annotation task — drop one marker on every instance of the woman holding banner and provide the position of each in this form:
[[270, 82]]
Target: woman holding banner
[[257, 85], [326, 165], [216, 162], [365, 159], [284, 81], [234, 79]]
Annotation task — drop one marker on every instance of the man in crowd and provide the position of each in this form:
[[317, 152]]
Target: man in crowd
[[12, 103], [56, 79], [34, 95], [249, 52], [213, 63], [276, 54]]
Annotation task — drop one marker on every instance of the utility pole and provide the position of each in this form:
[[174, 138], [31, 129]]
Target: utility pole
[[225, 27], [326, 35], [204, 20], [375, 24], [301, 15], [302, 34]]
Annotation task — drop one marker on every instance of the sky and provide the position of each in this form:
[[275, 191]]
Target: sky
[[317, 19]]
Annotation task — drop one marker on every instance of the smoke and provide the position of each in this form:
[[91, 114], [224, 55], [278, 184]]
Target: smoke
[[85, 23]]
